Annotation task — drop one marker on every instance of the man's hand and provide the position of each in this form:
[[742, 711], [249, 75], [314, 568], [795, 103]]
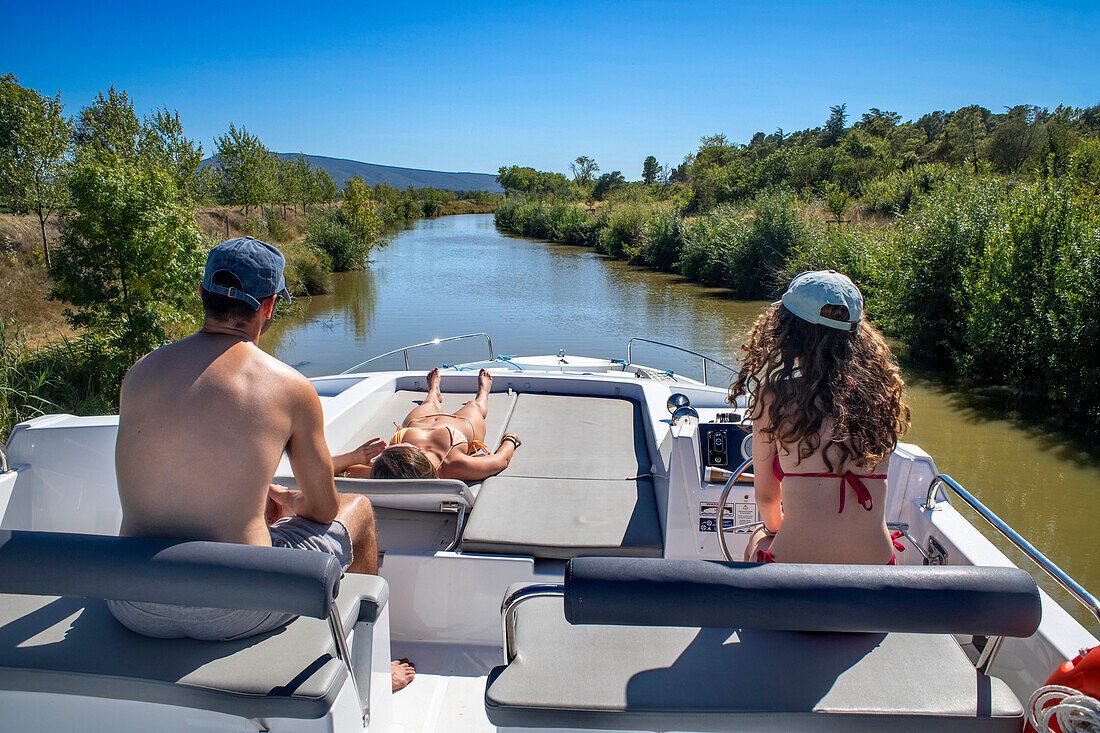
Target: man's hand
[[281, 502]]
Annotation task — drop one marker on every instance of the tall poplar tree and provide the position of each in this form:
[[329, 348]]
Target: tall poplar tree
[[34, 150]]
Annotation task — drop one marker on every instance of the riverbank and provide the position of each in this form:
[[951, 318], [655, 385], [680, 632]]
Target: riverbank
[[996, 280], [47, 366]]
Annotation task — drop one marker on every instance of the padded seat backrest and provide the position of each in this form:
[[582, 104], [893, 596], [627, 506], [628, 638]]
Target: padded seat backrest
[[786, 596], [215, 574], [417, 495]]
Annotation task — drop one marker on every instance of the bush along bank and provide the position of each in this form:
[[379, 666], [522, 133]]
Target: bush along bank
[[995, 278]]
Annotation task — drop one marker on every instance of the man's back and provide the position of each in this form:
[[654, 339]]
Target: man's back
[[203, 423]]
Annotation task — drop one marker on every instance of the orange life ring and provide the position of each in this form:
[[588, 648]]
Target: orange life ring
[[1082, 673]]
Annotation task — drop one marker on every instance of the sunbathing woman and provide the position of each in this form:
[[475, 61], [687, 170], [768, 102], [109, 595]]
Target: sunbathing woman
[[431, 443], [826, 411]]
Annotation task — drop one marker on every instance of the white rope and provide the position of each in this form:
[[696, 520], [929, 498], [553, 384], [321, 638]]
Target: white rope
[[1074, 712]]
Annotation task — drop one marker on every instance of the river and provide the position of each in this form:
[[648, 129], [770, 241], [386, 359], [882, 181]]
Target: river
[[459, 274]]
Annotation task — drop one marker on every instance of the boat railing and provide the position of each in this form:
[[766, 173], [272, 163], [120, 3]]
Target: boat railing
[[705, 359], [404, 350], [5, 465], [1059, 576]]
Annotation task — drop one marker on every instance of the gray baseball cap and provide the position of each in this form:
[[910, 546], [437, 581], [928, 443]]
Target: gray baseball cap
[[258, 266], [808, 292]]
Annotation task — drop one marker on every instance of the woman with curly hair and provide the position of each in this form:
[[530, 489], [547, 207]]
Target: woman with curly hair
[[826, 410]]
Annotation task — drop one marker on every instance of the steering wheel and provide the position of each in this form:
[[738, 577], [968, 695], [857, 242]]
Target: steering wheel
[[722, 509]]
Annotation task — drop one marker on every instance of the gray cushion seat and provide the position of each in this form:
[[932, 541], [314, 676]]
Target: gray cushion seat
[[57, 636], [621, 675], [578, 486], [74, 646]]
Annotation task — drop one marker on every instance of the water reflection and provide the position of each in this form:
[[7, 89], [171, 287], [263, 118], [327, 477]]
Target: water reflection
[[459, 274]]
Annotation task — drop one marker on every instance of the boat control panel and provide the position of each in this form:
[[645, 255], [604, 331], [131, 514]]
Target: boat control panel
[[724, 443]]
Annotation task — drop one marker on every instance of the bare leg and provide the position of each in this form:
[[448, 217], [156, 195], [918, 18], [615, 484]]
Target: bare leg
[[357, 516], [477, 409], [432, 403]]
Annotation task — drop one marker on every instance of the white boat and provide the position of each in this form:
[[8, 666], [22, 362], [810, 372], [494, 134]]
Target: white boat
[[567, 593]]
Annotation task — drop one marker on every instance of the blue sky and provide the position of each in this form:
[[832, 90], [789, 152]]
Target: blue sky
[[474, 85]]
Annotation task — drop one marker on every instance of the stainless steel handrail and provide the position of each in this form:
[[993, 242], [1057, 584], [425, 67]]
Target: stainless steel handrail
[[433, 342], [722, 509], [704, 357], [1059, 576], [5, 464], [508, 612], [336, 627]]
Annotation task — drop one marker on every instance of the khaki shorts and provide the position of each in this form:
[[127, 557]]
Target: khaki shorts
[[221, 624]]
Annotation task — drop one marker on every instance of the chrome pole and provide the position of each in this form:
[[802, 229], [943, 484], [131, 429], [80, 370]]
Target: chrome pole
[[1059, 576], [5, 463], [337, 628], [508, 612]]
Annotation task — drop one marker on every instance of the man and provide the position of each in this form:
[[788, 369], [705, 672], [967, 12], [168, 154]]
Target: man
[[203, 424]]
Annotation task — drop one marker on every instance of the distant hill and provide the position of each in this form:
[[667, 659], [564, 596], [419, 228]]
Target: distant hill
[[341, 170]]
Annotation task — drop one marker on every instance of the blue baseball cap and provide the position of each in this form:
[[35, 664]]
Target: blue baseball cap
[[258, 266], [808, 292]]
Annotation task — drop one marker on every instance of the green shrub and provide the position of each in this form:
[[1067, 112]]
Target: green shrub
[[307, 270], [326, 232], [276, 228], [622, 231], [901, 190], [662, 240], [254, 227]]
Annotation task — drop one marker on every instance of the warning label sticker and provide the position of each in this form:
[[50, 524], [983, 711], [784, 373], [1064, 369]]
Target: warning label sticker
[[736, 514]]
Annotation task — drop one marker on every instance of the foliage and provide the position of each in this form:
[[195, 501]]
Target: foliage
[[519, 179], [360, 216], [162, 142], [130, 255], [330, 233], [72, 375], [650, 169], [623, 231], [584, 168], [608, 183], [34, 143], [836, 200], [245, 168]]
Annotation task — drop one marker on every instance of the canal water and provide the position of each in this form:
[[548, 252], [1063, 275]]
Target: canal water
[[460, 274]]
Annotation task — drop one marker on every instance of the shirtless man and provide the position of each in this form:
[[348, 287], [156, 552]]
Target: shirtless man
[[203, 424], [435, 444]]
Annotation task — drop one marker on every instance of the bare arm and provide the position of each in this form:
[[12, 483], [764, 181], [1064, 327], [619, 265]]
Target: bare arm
[[361, 457], [309, 457], [475, 468], [768, 489]]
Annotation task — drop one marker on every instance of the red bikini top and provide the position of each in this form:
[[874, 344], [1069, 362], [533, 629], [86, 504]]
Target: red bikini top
[[853, 480]]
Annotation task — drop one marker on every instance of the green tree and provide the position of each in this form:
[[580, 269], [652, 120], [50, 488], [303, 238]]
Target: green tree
[[109, 126], [834, 126], [243, 169], [359, 211], [34, 146], [1015, 139], [607, 183], [163, 142], [836, 200], [584, 168], [650, 169], [130, 255], [965, 134], [324, 187]]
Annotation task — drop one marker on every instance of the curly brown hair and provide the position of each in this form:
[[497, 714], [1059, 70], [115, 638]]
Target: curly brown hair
[[808, 373]]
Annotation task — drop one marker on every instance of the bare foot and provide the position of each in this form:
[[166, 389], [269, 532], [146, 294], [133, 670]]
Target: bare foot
[[402, 673], [433, 382], [484, 381]]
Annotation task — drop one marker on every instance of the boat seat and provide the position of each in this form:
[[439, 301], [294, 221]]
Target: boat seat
[[417, 495], [57, 636], [578, 486], [637, 644], [564, 518]]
